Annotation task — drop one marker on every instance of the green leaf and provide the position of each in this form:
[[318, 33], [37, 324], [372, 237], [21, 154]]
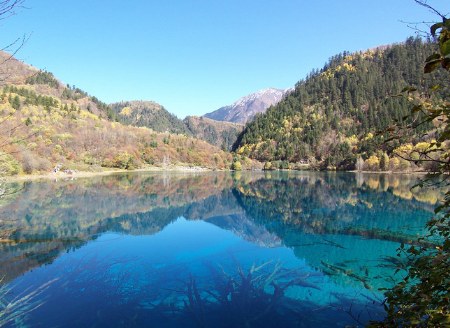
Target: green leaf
[[416, 108], [447, 244], [431, 66], [433, 57], [445, 48], [438, 209], [446, 64], [446, 23], [408, 89], [435, 87]]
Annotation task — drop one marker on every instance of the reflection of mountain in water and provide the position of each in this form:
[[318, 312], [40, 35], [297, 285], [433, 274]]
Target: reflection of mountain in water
[[334, 203], [46, 218], [342, 224], [244, 227], [297, 210]]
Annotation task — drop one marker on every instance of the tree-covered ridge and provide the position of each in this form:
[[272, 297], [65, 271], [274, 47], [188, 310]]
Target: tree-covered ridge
[[45, 123], [149, 114], [221, 134], [17, 74], [41, 131], [334, 114], [43, 77]]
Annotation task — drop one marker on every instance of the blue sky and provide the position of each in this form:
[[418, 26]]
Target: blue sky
[[194, 56]]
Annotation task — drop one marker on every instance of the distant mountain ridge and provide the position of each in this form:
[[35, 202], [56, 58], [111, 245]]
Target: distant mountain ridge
[[218, 133], [152, 115], [245, 108], [148, 114]]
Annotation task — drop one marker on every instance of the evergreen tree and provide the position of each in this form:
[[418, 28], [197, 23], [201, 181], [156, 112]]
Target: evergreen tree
[[16, 103], [352, 95]]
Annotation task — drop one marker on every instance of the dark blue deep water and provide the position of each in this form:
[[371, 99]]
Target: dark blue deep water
[[206, 250]]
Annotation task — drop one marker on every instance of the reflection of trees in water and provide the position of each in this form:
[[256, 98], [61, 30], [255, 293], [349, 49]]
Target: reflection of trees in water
[[335, 203], [69, 207], [46, 218], [8, 192], [49, 217], [346, 225]]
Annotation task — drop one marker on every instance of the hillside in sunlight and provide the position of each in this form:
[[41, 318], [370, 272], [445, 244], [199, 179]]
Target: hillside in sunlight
[[148, 114], [154, 116], [336, 114], [44, 123], [221, 134]]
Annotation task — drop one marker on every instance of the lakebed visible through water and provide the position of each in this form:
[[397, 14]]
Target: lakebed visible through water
[[208, 249]]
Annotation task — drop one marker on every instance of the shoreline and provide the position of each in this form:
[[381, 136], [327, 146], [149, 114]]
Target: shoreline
[[89, 174], [176, 168]]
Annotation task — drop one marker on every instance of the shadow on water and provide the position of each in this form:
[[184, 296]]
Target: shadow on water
[[336, 235]]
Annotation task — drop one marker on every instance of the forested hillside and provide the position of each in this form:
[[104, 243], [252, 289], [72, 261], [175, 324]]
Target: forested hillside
[[148, 114], [221, 134], [333, 116], [44, 123], [16, 73]]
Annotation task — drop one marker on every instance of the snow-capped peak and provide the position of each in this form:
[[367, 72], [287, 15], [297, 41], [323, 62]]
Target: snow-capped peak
[[245, 108]]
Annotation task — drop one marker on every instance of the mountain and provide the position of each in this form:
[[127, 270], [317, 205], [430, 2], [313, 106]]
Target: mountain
[[154, 116], [16, 73], [45, 123], [220, 134], [335, 114], [148, 114], [244, 109]]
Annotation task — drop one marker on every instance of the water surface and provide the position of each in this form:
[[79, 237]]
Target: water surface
[[210, 249]]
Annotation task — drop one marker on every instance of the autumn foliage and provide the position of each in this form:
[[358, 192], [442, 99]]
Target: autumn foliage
[[44, 123]]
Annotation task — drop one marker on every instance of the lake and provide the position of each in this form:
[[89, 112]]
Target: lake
[[286, 249]]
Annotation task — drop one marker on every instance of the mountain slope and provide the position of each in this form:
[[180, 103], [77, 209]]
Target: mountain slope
[[44, 123], [333, 115], [220, 134], [15, 72], [148, 114], [244, 109]]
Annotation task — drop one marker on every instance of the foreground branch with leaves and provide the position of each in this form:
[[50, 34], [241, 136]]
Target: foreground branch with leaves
[[422, 298]]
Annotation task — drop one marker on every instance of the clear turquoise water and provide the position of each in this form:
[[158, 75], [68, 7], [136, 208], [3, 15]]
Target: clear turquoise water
[[208, 250]]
